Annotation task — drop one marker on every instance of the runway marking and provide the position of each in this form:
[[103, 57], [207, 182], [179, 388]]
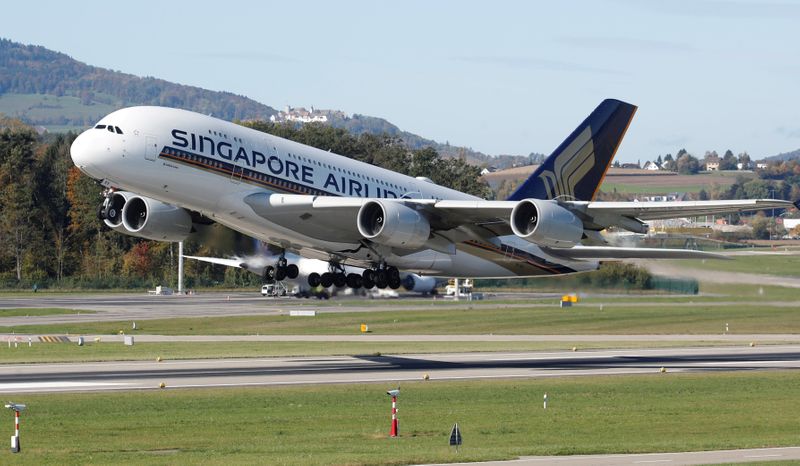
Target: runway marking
[[16, 386], [761, 456], [653, 461]]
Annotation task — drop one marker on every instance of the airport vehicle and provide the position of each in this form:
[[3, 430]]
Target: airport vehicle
[[168, 172]]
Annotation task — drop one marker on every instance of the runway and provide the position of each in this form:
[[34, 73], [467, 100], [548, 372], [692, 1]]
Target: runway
[[751, 455], [31, 378]]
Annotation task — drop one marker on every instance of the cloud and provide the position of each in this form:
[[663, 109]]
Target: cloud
[[248, 56], [534, 63], [788, 132], [626, 44]]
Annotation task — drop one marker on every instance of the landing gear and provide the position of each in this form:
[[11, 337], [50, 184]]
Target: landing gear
[[382, 276], [280, 271]]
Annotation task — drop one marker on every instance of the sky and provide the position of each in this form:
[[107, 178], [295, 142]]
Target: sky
[[501, 77]]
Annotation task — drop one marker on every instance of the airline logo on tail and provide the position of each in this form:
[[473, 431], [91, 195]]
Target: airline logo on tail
[[577, 167], [569, 167]]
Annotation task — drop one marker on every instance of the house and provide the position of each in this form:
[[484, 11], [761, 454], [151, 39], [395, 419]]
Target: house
[[652, 166], [712, 165], [630, 165], [487, 170], [762, 165]]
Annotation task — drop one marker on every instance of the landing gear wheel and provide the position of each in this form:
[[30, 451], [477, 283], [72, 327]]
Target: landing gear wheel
[[368, 275], [354, 281], [367, 283], [381, 280], [392, 273], [269, 273], [394, 283], [313, 280], [339, 279], [280, 273], [292, 271], [326, 279]]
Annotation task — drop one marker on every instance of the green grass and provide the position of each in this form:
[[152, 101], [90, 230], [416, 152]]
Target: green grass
[[769, 264], [688, 318], [40, 311], [40, 107], [107, 351], [348, 424]]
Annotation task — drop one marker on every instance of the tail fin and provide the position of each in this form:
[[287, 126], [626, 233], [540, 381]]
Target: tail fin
[[576, 168]]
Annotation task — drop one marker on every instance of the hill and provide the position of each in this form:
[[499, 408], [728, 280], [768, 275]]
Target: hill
[[793, 155], [50, 89]]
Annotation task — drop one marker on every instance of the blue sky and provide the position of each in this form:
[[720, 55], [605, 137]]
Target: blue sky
[[500, 77]]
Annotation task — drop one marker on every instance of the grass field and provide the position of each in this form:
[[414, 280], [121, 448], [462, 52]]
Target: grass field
[[348, 424], [38, 107], [106, 351], [39, 311], [688, 318], [769, 264]]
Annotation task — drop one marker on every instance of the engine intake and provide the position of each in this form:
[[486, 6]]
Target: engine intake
[[151, 219], [393, 224], [546, 223]]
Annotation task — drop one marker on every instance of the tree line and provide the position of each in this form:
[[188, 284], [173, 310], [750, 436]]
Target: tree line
[[50, 234]]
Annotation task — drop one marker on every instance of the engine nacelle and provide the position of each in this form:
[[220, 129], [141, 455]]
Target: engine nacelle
[[546, 223], [151, 219], [418, 284], [393, 224], [110, 211]]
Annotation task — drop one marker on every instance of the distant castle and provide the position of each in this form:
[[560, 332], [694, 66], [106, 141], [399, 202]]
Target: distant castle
[[301, 115]]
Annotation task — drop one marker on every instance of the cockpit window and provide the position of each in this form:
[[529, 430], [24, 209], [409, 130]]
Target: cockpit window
[[110, 129], [119, 131], [100, 127]]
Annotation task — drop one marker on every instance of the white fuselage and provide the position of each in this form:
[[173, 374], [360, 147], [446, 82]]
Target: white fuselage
[[209, 165]]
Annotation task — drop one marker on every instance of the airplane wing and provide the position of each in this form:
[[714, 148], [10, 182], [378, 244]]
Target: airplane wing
[[344, 219]]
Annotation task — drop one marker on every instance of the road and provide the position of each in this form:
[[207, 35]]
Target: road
[[29, 378]]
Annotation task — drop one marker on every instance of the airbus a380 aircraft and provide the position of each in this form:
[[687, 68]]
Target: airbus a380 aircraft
[[168, 172]]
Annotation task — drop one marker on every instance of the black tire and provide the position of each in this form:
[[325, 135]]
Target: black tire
[[326, 279], [292, 271], [313, 280], [368, 275], [269, 273], [392, 273], [354, 280], [367, 283], [339, 279], [380, 279], [280, 273], [394, 283]]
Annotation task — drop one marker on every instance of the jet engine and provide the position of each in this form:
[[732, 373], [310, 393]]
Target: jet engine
[[418, 284], [151, 219], [110, 211], [546, 223], [393, 224]]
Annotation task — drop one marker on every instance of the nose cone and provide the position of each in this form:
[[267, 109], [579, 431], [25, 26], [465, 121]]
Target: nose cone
[[83, 156]]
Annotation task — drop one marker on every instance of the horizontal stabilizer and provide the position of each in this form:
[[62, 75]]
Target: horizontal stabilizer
[[604, 252]]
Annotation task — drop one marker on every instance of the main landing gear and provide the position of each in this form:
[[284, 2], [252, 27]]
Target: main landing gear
[[280, 271], [381, 277]]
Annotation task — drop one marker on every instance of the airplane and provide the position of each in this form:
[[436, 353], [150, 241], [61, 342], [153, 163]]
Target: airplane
[[169, 173]]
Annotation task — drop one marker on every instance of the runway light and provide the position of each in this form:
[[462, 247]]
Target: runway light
[[752, 344], [574, 348], [663, 370], [158, 359], [162, 385], [426, 377]]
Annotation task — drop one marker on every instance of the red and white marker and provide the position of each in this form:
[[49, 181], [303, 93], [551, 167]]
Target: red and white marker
[[15, 446], [394, 430]]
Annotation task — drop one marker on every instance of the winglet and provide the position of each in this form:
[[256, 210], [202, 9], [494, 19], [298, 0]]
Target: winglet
[[575, 170]]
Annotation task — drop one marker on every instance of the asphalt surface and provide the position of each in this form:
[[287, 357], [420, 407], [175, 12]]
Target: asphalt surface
[[30, 378], [753, 455]]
